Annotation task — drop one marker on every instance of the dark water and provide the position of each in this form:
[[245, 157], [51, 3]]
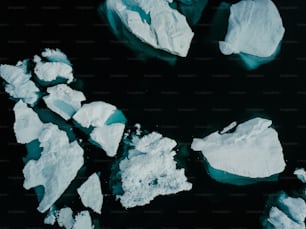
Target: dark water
[[200, 94]]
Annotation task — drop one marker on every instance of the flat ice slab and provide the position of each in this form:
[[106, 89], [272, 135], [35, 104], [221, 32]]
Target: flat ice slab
[[57, 166], [153, 22], [300, 174], [252, 150], [149, 170], [18, 83], [95, 115], [91, 193], [27, 126], [63, 100], [254, 27]]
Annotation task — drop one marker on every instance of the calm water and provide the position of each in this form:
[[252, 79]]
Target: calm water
[[198, 95]]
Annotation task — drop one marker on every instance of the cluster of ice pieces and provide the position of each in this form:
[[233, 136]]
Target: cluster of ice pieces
[[64, 218], [248, 154], [148, 170]]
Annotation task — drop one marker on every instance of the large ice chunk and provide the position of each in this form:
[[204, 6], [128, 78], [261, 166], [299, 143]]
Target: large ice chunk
[[65, 218], [18, 83], [63, 100], [149, 170], [91, 193], [301, 174], [105, 135], [49, 72], [55, 55], [57, 166], [252, 150], [254, 27], [153, 22], [27, 126], [83, 221]]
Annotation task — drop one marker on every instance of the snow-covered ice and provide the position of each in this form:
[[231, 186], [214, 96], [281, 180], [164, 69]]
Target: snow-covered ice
[[91, 193], [27, 126], [95, 115], [254, 27], [18, 83], [65, 218], [83, 221], [149, 170], [252, 150], [63, 100], [300, 174], [49, 72], [55, 55], [57, 166], [153, 22]]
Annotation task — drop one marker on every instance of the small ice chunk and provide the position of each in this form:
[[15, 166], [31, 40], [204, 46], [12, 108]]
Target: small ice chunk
[[154, 22], [108, 137], [150, 172], [94, 114], [27, 126], [63, 100], [55, 55], [301, 174], [91, 193], [253, 150], [65, 218], [254, 27], [57, 166], [49, 72], [280, 220], [229, 127], [50, 219], [19, 85], [83, 221]]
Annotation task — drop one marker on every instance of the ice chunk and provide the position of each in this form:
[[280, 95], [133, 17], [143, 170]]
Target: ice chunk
[[149, 170], [301, 174], [48, 72], [108, 137], [96, 115], [65, 218], [50, 219], [19, 85], [91, 193], [57, 166], [63, 100], [278, 219], [251, 151], [254, 27], [294, 208], [83, 221], [154, 22], [27, 126], [55, 55]]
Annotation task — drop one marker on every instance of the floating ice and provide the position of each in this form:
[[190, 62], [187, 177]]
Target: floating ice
[[19, 85], [83, 221], [254, 27], [91, 193], [63, 100], [65, 218], [153, 22], [251, 151], [96, 115], [49, 72], [27, 126], [55, 55], [149, 170], [301, 174], [57, 166]]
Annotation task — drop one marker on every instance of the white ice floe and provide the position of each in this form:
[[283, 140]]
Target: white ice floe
[[254, 27], [149, 170], [65, 218], [91, 193], [63, 100], [83, 221], [55, 55], [49, 72], [95, 115], [18, 83], [57, 166], [27, 126], [253, 150], [153, 22], [300, 174]]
